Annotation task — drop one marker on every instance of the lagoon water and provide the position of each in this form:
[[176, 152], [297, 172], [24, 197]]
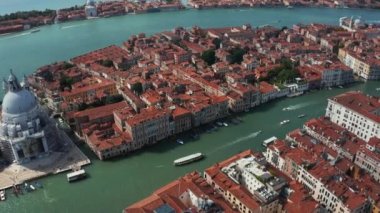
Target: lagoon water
[[10, 6], [115, 184]]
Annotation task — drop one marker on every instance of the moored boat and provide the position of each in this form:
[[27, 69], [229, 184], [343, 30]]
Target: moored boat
[[2, 195], [294, 94], [180, 141], [188, 159], [269, 141], [32, 187], [301, 116], [76, 175]]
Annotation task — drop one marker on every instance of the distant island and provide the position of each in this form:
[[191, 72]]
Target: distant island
[[25, 20], [19, 21]]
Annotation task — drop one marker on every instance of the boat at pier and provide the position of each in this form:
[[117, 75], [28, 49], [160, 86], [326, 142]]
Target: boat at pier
[[180, 141], [188, 159], [294, 94], [269, 141], [76, 175], [2, 195]]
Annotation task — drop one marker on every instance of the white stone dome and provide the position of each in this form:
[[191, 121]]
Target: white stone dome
[[90, 3], [18, 102]]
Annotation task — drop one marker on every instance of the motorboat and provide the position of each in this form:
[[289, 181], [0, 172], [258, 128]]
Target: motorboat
[[180, 141], [219, 123], [225, 124], [76, 175], [284, 122], [301, 116], [32, 187]]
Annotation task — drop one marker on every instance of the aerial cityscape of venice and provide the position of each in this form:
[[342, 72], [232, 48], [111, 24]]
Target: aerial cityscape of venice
[[187, 106]]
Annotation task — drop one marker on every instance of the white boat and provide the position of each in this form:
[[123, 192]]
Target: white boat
[[269, 141], [188, 159], [35, 31], [286, 109], [294, 94], [32, 187], [180, 141], [284, 122], [76, 175], [219, 123], [301, 116], [290, 7], [225, 124], [341, 87], [2, 195]]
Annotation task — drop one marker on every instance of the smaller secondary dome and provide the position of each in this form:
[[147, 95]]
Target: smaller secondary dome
[[18, 102], [90, 3]]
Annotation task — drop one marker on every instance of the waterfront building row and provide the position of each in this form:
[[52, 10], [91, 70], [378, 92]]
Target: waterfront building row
[[181, 79], [322, 167]]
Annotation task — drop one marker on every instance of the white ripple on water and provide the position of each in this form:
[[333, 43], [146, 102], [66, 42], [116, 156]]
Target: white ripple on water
[[17, 35], [236, 141], [48, 198], [71, 26], [300, 105]]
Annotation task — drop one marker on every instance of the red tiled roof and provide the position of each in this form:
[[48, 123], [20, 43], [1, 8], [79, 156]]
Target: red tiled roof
[[360, 103]]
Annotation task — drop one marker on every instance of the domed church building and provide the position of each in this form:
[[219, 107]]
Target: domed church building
[[22, 125]]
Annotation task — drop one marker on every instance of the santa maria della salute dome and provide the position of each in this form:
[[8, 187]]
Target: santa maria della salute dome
[[23, 124]]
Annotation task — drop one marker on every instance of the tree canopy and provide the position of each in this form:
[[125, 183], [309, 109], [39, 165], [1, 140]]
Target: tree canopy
[[237, 54], [209, 57]]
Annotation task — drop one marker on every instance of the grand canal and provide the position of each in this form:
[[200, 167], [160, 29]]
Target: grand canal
[[115, 184]]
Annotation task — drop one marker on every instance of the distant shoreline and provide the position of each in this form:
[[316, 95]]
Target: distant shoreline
[[185, 7]]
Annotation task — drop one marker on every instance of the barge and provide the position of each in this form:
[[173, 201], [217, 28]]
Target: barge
[[188, 159], [76, 175]]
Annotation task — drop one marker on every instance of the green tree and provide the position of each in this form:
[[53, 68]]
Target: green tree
[[106, 63], [237, 54], [209, 57], [65, 82], [67, 65], [137, 88], [217, 42]]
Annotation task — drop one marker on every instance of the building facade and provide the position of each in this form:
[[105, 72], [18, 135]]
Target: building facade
[[22, 133], [358, 113]]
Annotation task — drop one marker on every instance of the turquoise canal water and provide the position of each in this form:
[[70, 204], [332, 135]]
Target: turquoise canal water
[[115, 184]]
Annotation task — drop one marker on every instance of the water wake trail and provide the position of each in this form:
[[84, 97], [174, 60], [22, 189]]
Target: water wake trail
[[236, 141], [48, 198], [71, 26], [17, 35], [300, 105]]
